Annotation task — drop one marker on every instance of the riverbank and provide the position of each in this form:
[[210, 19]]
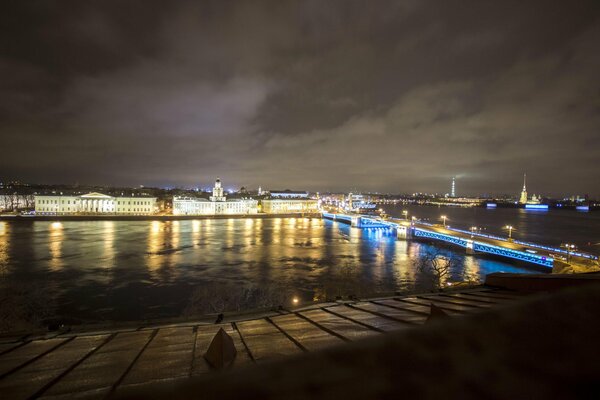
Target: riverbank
[[150, 217]]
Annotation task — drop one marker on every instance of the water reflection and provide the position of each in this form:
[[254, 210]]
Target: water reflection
[[158, 267], [156, 240], [109, 242], [55, 246], [3, 246]]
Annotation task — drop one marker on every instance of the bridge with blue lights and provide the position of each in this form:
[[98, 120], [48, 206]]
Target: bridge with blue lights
[[473, 243]]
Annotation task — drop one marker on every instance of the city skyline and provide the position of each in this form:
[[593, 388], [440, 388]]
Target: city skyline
[[236, 188], [393, 97]]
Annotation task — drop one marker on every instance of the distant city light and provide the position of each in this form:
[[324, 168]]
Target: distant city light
[[540, 207]]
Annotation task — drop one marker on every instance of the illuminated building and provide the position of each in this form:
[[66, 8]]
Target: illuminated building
[[289, 206], [523, 198], [288, 194], [217, 205], [94, 204]]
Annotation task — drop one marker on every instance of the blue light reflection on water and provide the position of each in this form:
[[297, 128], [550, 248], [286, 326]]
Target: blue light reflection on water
[[124, 270]]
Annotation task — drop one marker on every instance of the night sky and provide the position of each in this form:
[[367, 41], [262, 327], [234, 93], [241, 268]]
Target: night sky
[[318, 95]]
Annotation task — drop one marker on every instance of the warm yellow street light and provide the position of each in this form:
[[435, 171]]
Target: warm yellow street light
[[510, 229], [405, 213], [444, 220], [570, 248], [473, 229]]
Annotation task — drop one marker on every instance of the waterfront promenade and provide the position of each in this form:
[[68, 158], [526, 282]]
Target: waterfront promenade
[[135, 361], [94, 364]]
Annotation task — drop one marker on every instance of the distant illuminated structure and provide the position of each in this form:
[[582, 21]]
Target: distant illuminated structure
[[217, 193], [94, 204], [217, 205], [289, 206], [523, 198], [288, 194], [453, 191]]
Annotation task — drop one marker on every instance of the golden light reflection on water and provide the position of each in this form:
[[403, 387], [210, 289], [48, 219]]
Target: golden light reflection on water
[[109, 241], [55, 246], [277, 230], [248, 231], [3, 244], [175, 234], [156, 240], [472, 269], [229, 242], [196, 226], [156, 226]]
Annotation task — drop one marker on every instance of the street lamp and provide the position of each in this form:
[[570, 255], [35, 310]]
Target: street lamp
[[570, 248], [405, 213], [444, 220], [473, 229], [510, 228]]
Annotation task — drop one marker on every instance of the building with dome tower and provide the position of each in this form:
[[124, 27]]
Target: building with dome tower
[[216, 205]]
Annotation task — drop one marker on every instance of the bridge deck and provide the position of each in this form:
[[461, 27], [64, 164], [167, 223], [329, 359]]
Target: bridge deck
[[95, 364], [512, 245]]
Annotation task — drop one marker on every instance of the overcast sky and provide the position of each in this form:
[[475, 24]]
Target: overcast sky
[[319, 95]]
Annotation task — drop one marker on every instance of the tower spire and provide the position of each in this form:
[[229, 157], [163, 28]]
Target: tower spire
[[523, 197]]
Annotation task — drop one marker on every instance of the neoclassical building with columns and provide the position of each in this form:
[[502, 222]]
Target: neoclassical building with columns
[[94, 203], [217, 205]]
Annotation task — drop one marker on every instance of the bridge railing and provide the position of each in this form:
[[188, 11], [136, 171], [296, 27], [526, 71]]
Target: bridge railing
[[487, 248], [530, 244]]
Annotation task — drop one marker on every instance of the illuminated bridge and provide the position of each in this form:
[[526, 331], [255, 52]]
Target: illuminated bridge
[[473, 243]]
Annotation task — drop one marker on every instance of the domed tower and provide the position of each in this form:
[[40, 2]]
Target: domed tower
[[217, 192]]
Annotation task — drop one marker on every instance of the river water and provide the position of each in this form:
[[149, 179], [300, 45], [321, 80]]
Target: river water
[[94, 271]]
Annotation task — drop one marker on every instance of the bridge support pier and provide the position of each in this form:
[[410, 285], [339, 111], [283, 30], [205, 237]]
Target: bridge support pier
[[403, 232], [469, 248]]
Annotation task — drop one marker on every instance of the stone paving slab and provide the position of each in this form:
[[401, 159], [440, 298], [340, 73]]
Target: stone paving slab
[[478, 299], [5, 347], [422, 309], [33, 377], [105, 367], [468, 301], [18, 357], [92, 394], [445, 306], [343, 327], [491, 297], [265, 341], [455, 301], [93, 365], [367, 318], [307, 334], [402, 315], [501, 294], [169, 355]]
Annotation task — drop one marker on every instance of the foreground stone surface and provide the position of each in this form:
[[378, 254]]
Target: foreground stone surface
[[543, 347], [125, 363]]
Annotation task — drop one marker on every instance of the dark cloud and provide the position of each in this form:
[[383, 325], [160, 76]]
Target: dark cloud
[[392, 96]]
